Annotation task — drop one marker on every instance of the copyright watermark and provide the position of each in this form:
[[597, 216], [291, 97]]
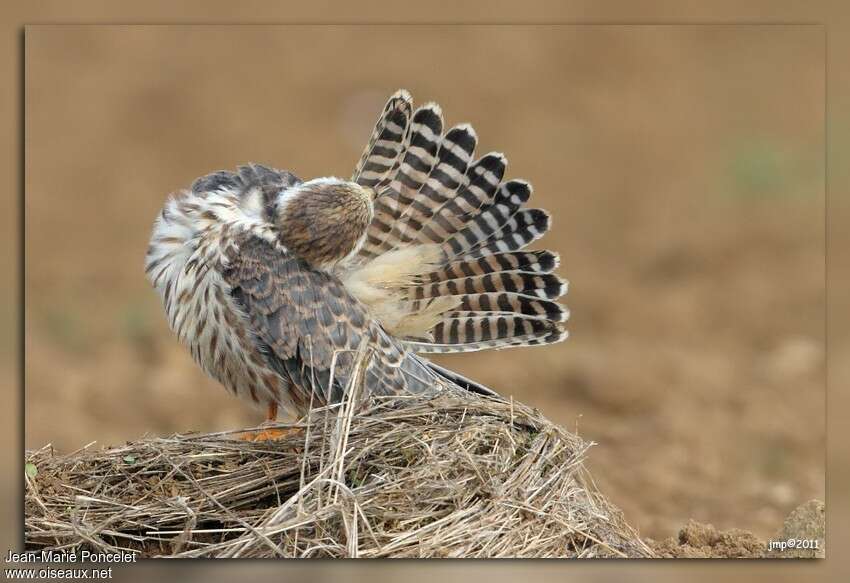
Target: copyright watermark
[[70, 565], [793, 543]]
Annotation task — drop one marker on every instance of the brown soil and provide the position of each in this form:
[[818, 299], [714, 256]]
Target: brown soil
[[700, 541]]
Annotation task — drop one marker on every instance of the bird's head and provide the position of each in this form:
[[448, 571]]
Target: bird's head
[[324, 220]]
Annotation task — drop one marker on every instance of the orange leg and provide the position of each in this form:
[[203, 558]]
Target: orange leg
[[271, 412], [267, 434]]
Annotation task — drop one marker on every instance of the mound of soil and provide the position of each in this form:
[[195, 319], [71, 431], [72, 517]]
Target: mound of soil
[[697, 540]]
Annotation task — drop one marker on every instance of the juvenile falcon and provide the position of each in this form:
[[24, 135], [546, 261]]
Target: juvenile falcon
[[279, 287]]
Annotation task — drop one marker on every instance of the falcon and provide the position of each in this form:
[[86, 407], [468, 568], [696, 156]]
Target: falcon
[[291, 293]]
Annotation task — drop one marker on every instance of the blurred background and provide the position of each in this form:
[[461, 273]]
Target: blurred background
[[683, 167]]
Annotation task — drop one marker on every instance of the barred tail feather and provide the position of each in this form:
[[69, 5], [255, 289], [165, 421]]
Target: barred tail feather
[[486, 331], [525, 227], [448, 177], [503, 226], [514, 303], [416, 165], [395, 219], [546, 285], [481, 184], [387, 142], [533, 261], [478, 288]]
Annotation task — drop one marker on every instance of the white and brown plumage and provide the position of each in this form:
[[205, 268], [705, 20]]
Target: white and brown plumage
[[272, 282]]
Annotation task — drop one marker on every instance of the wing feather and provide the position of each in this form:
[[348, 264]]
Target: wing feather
[[307, 324]]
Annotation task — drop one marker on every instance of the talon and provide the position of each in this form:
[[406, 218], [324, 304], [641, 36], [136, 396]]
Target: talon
[[269, 434]]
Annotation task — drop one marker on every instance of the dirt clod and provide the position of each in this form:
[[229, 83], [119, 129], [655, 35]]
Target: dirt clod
[[805, 523], [699, 541]]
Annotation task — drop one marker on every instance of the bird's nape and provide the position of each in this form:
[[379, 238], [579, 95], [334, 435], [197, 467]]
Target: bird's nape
[[323, 221]]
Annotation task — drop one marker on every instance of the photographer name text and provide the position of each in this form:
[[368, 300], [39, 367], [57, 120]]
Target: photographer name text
[[49, 556]]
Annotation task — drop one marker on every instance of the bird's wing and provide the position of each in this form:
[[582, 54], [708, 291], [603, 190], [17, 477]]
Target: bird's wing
[[475, 287], [312, 331]]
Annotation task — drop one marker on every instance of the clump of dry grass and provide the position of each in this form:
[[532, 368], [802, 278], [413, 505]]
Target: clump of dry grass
[[449, 476]]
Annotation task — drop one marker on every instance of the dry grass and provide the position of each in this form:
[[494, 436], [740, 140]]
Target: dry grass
[[449, 476]]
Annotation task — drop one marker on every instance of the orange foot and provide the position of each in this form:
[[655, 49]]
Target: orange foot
[[268, 434], [271, 433]]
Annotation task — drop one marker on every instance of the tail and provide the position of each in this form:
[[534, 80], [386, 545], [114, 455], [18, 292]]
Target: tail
[[461, 381], [431, 192]]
